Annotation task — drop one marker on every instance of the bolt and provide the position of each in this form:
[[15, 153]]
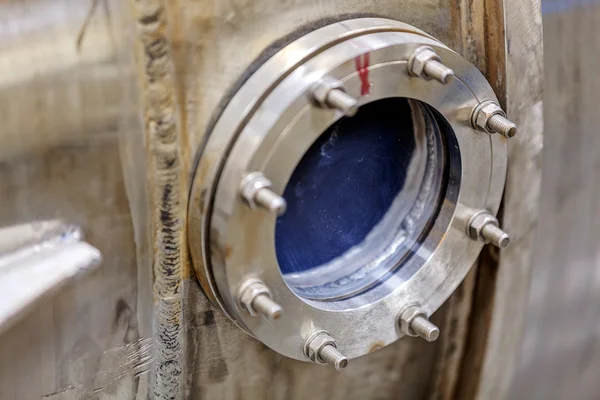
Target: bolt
[[330, 355], [484, 226], [320, 348], [270, 200], [330, 93], [414, 322], [489, 117], [496, 236], [255, 297], [336, 98], [501, 125], [424, 62], [438, 71], [425, 328], [265, 306], [256, 192]]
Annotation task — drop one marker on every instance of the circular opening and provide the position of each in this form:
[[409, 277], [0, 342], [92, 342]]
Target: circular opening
[[361, 199]]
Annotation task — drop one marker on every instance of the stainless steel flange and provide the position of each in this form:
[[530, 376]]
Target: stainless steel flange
[[269, 125]]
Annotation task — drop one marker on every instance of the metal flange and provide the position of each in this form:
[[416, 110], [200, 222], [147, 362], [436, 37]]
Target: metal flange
[[269, 125]]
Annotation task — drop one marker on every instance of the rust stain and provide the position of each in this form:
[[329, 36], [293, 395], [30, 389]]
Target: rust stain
[[228, 251], [376, 346]]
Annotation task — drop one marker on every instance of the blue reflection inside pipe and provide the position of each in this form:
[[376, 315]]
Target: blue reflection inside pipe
[[344, 185]]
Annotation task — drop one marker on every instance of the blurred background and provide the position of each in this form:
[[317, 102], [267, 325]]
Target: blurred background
[[560, 349]]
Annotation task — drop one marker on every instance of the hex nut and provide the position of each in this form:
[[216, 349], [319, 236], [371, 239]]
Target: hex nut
[[406, 318], [477, 222], [322, 88], [418, 59], [482, 114], [249, 291], [251, 184], [314, 343]]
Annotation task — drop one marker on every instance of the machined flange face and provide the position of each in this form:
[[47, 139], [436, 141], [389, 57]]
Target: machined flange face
[[270, 125]]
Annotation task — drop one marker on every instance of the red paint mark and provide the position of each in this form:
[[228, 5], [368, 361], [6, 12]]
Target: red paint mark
[[362, 67]]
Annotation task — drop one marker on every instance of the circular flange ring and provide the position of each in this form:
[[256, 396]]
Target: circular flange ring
[[267, 127]]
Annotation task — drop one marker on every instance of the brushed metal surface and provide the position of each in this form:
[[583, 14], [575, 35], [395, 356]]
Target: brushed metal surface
[[63, 77], [560, 347], [503, 277], [61, 110], [214, 43]]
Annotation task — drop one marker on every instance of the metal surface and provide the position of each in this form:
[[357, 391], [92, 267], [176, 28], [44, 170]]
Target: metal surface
[[268, 125], [212, 45], [67, 76], [62, 120], [559, 349], [69, 95], [498, 317], [49, 255]]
